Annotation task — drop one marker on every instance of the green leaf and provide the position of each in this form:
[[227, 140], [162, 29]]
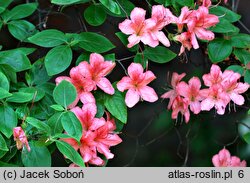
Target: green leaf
[[111, 6], [72, 125], [4, 93], [9, 72], [94, 42], [4, 4], [95, 15], [116, 106], [58, 59], [189, 3], [247, 76], [141, 59], [55, 123], [159, 54], [57, 107], [224, 26], [37, 93], [241, 40], [225, 13], [15, 59], [243, 55], [20, 97], [20, 11], [126, 7], [38, 124], [48, 38], [246, 137], [38, 73], [124, 40], [39, 156], [4, 83], [219, 49], [67, 2], [68, 151], [21, 29], [26, 51], [236, 68], [64, 93], [3, 145], [8, 120]]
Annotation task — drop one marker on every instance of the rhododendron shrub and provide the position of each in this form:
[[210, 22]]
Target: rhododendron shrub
[[99, 83]]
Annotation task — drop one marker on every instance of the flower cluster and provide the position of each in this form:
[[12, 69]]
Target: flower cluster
[[224, 159], [223, 87], [149, 31], [98, 134], [136, 83], [20, 138]]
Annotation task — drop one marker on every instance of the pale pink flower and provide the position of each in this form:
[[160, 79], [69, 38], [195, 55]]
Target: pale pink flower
[[20, 138], [198, 23], [185, 40], [234, 88], [225, 1], [192, 92], [138, 28], [214, 77], [180, 105], [224, 159], [216, 97], [162, 16], [172, 94], [98, 135], [136, 83]]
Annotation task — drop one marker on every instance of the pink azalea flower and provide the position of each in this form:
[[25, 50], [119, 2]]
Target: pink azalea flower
[[20, 138], [183, 18], [216, 97], [138, 28], [192, 92], [136, 84], [98, 135], [225, 1], [224, 159], [162, 16], [172, 94], [234, 88], [180, 105], [87, 76], [214, 77], [185, 39], [198, 23]]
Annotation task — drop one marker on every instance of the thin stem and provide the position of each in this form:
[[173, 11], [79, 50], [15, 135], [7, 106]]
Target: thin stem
[[126, 58], [122, 67]]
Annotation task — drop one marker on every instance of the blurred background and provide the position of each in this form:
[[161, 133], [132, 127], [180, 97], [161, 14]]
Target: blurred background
[[151, 137]]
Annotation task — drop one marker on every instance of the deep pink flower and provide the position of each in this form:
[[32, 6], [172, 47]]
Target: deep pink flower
[[20, 138], [98, 135], [185, 40], [192, 92], [214, 77], [224, 159], [162, 16], [206, 3], [198, 23], [180, 105], [138, 28], [225, 1], [234, 88], [172, 94], [136, 84], [216, 97]]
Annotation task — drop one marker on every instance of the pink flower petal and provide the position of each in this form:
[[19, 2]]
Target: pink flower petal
[[137, 15], [124, 84], [135, 70], [106, 86], [148, 94], [132, 97], [162, 38], [126, 27]]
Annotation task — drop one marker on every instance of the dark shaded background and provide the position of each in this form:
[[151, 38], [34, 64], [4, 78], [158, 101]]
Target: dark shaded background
[[150, 138]]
